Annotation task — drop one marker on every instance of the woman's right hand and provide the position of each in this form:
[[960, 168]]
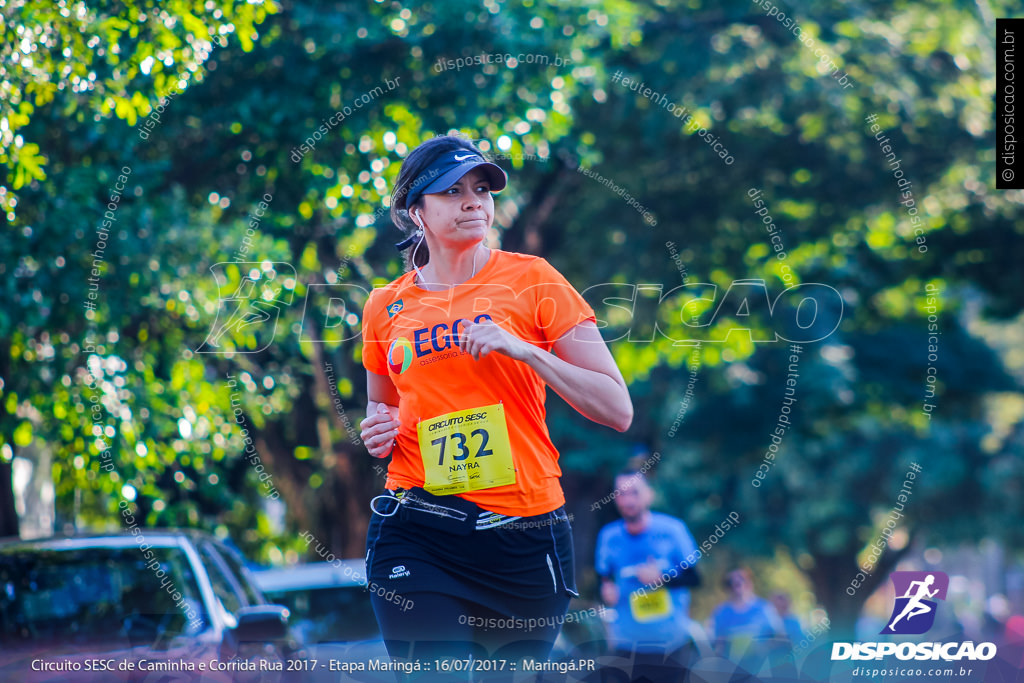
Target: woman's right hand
[[379, 430]]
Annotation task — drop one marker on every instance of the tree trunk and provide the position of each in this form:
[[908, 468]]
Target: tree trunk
[[8, 515], [831, 577]]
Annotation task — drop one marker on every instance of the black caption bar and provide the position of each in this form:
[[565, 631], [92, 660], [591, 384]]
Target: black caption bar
[[1009, 153]]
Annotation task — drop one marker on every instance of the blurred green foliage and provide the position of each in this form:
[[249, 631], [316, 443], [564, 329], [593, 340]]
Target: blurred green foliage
[[244, 86]]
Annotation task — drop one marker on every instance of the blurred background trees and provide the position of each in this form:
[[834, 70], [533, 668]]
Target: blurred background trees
[[245, 85]]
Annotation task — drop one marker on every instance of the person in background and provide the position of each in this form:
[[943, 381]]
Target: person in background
[[746, 628], [794, 631], [645, 564]]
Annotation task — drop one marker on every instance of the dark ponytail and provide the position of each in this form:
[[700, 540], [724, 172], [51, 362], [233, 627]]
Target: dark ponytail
[[414, 165]]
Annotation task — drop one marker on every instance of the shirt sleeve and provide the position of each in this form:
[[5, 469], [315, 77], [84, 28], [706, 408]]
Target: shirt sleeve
[[684, 541], [558, 306], [603, 559], [717, 623], [374, 352], [682, 556]]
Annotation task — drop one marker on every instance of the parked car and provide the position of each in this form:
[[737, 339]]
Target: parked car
[[123, 606]]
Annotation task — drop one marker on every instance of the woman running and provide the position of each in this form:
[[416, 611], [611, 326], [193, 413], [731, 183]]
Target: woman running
[[469, 546]]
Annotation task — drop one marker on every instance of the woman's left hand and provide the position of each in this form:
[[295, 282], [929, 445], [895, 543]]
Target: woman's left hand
[[482, 338]]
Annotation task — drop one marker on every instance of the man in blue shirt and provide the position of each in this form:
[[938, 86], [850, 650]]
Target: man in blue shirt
[[645, 561]]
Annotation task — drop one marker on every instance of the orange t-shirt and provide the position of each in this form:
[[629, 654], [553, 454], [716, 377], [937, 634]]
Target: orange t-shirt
[[407, 336]]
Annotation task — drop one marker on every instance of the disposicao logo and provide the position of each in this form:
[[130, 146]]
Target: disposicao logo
[[916, 595], [913, 613], [400, 355]]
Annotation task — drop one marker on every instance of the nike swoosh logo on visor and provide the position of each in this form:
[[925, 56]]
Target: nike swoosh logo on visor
[[463, 158]]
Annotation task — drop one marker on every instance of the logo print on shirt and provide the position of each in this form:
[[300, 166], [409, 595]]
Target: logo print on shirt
[[400, 355], [395, 308], [398, 572], [913, 612]]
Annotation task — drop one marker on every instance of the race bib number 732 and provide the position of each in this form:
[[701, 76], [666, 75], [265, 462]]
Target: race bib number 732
[[466, 450]]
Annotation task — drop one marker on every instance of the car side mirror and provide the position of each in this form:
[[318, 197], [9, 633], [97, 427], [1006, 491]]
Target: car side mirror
[[261, 623]]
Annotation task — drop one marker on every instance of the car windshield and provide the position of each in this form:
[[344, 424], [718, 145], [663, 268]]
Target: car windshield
[[97, 594]]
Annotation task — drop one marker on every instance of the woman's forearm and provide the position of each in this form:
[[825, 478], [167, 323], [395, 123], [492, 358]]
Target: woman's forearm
[[593, 394]]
